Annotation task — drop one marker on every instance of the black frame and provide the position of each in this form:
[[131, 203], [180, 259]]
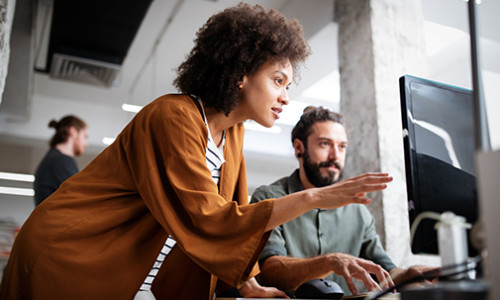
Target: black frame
[[456, 192]]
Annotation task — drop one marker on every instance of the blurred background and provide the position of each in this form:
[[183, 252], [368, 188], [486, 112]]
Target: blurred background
[[103, 60]]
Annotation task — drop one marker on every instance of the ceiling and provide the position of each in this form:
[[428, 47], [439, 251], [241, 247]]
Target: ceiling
[[95, 29], [143, 42], [86, 31], [147, 63]]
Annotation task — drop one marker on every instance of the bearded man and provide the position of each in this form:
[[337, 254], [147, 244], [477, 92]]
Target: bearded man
[[337, 244]]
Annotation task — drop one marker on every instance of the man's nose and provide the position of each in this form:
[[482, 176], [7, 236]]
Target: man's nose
[[334, 153]]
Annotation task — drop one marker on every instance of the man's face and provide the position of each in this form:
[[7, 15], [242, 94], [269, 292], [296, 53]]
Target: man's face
[[324, 156], [81, 142]]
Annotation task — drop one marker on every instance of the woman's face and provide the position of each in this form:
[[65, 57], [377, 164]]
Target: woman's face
[[263, 94]]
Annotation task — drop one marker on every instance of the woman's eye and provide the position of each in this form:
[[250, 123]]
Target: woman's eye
[[278, 81]]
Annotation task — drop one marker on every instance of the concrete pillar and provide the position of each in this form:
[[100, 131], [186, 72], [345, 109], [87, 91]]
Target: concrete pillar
[[379, 41], [6, 18], [18, 90]]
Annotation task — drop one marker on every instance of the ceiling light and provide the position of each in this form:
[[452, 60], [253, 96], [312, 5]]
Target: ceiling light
[[107, 141], [16, 191], [17, 176], [131, 108]]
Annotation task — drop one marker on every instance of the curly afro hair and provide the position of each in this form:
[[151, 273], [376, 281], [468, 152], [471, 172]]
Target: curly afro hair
[[234, 43]]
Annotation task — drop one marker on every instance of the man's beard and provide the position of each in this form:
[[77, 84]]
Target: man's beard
[[77, 150], [313, 171]]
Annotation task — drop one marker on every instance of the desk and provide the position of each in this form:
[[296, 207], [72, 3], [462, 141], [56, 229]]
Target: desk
[[449, 290]]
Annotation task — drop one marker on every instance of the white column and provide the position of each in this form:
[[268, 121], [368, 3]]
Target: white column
[[6, 17], [379, 41]]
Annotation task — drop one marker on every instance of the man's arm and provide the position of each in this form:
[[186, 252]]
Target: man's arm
[[288, 273], [372, 250]]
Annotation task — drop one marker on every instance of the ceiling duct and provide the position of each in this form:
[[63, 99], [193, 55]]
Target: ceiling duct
[[84, 70], [89, 39]]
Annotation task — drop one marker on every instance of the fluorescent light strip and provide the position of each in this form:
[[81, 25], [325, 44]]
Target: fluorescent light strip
[[131, 108], [16, 191], [17, 176], [107, 141]]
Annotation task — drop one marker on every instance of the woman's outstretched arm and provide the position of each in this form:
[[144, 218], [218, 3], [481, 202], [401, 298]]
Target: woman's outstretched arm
[[345, 192]]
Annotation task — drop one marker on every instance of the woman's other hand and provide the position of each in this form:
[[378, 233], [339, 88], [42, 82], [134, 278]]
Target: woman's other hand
[[252, 289]]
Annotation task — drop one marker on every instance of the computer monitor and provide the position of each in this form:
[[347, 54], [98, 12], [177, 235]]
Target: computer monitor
[[439, 146]]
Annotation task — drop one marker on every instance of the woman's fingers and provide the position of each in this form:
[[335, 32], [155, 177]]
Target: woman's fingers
[[372, 175], [370, 182], [361, 201], [353, 190]]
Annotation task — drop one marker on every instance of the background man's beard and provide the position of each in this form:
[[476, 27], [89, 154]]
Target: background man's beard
[[76, 150], [313, 172]]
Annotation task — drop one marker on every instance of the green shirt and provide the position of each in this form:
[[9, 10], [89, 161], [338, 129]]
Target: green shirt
[[349, 229]]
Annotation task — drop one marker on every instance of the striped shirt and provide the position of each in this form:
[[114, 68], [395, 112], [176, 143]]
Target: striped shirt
[[215, 159]]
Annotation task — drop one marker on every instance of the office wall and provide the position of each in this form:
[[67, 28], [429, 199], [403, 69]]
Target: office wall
[[23, 156]]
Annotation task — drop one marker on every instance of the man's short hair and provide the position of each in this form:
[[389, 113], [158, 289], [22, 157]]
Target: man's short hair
[[62, 128], [310, 116]]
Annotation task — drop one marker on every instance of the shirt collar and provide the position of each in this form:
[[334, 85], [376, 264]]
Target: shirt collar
[[294, 184]]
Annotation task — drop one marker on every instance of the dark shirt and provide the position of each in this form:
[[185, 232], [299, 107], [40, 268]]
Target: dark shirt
[[54, 168]]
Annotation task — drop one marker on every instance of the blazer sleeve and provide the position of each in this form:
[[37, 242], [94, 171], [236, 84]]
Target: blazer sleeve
[[276, 243], [242, 199], [166, 146]]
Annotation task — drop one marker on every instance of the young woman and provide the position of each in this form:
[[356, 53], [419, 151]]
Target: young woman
[[175, 179]]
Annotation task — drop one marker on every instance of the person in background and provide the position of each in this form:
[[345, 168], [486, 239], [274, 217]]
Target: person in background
[[58, 164], [169, 198], [338, 244]]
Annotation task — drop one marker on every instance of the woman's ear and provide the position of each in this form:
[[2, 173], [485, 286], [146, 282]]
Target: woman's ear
[[241, 83]]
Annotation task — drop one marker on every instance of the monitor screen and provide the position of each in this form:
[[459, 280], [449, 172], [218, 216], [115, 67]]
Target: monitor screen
[[438, 126]]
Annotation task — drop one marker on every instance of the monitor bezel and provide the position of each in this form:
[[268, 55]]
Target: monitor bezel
[[411, 170]]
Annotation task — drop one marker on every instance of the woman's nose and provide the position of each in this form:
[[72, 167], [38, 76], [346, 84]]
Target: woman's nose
[[284, 98]]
